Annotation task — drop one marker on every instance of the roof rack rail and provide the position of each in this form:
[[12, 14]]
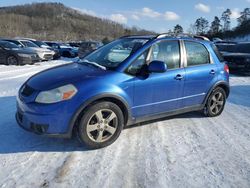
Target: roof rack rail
[[171, 34], [125, 36]]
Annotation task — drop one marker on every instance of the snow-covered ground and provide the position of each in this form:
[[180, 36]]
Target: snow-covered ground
[[185, 151]]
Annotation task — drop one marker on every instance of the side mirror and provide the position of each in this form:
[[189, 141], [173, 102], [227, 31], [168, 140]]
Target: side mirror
[[157, 67]]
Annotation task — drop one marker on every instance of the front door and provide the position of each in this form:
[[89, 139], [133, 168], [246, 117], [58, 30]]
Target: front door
[[160, 92]]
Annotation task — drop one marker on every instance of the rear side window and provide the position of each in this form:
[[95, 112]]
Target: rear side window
[[197, 54], [217, 53]]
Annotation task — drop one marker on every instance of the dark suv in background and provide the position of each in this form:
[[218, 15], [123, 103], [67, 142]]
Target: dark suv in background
[[237, 56], [65, 50], [88, 47]]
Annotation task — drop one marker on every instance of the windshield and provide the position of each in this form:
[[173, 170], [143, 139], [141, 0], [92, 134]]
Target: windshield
[[29, 44], [9, 45], [114, 53], [40, 43], [63, 45]]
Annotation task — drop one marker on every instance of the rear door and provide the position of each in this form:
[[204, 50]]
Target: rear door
[[201, 73]]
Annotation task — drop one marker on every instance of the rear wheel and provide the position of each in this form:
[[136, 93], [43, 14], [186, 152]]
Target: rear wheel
[[101, 125], [12, 60], [215, 103]]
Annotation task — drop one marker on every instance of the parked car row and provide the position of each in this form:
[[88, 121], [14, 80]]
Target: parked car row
[[237, 55], [20, 51]]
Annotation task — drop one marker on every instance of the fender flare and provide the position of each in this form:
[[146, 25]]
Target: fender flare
[[93, 99], [223, 84]]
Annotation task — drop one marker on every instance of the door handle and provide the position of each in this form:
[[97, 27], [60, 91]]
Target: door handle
[[212, 71], [178, 77]]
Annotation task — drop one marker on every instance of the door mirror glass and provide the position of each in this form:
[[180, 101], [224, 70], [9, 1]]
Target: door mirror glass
[[157, 67]]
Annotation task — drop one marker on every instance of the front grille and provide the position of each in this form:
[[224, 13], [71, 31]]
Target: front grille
[[39, 128], [34, 56], [20, 117], [27, 91], [48, 56]]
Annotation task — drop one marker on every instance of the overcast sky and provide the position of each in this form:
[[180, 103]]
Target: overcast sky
[[156, 15]]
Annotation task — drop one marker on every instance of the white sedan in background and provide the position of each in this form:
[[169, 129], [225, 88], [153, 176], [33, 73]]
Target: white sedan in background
[[43, 53]]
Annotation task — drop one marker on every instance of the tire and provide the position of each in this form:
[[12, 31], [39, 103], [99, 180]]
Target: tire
[[100, 125], [12, 60], [215, 103], [66, 54]]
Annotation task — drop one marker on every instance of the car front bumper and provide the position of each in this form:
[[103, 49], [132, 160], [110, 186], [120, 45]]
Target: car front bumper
[[30, 61], [43, 119]]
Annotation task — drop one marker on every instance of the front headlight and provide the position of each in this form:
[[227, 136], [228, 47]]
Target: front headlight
[[24, 55], [56, 95]]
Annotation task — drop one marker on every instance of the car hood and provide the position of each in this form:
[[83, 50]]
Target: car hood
[[43, 50], [64, 74]]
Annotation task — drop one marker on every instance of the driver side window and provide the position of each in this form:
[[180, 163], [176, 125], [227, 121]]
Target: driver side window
[[137, 65], [167, 52]]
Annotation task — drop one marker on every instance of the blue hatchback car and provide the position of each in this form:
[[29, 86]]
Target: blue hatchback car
[[130, 80]]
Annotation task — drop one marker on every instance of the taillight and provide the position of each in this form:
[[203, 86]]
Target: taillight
[[226, 69]]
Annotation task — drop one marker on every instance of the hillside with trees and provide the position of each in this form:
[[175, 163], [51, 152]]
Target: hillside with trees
[[54, 21]]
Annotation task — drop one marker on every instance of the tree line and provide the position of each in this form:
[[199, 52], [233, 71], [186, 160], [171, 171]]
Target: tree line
[[54, 21], [220, 26]]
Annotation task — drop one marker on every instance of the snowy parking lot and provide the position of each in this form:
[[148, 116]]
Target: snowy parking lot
[[187, 150]]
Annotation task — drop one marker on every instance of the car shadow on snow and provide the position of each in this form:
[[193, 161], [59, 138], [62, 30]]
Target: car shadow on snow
[[240, 95], [16, 140]]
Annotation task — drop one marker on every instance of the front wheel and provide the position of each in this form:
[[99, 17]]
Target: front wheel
[[100, 125], [215, 103], [12, 60]]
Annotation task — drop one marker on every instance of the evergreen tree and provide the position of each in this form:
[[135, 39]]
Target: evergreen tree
[[226, 19], [201, 25], [178, 29], [215, 25], [244, 16]]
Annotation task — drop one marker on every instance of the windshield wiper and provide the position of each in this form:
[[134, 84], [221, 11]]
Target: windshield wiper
[[93, 63]]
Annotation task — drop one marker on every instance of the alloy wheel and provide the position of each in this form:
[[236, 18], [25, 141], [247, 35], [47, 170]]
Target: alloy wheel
[[11, 60], [102, 125], [217, 103]]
